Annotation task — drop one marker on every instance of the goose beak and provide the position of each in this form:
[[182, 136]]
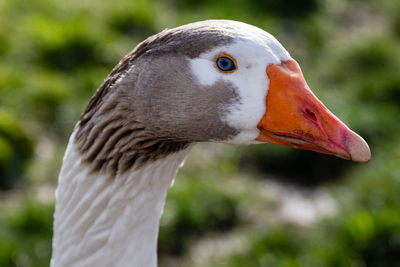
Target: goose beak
[[295, 117]]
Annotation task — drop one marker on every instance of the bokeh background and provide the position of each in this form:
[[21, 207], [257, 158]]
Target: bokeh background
[[230, 206]]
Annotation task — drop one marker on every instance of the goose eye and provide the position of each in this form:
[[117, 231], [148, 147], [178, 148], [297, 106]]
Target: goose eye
[[226, 63]]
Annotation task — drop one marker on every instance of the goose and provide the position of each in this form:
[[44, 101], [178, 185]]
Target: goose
[[209, 81]]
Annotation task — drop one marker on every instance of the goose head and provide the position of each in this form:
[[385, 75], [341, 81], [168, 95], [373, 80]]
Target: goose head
[[274, 103], [215, 80]]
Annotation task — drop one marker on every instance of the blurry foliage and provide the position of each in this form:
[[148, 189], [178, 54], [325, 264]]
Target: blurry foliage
[[68, 54], [3, 44], [194, 207], [306, 168], [396, 22], [373, 63], [285, 9], [365, 233], [201, 201], [290, 8], [26, 234], [369, 69], [15, 149], [354, 239], [54, 54], [132, 25]]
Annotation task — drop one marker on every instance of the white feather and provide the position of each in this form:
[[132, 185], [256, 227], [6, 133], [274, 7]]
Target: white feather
[[110, 221]]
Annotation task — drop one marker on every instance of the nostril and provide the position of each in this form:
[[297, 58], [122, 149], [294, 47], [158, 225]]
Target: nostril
[[311, 115]]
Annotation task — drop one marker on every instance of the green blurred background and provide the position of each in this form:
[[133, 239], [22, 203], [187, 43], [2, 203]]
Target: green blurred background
[[250, 206]]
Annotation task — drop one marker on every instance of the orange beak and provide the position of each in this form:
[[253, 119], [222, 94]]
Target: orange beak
[[295, 117]]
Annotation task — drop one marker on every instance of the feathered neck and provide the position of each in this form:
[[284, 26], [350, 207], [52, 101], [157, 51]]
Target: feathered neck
[[101, 220]]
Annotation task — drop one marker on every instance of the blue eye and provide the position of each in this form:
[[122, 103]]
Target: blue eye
[[226, 63]]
